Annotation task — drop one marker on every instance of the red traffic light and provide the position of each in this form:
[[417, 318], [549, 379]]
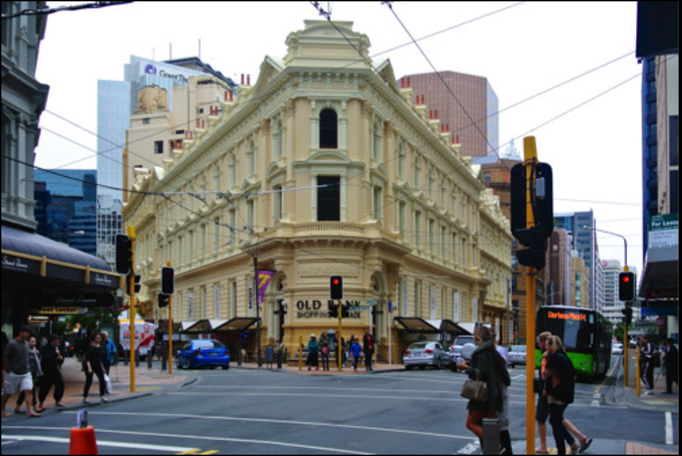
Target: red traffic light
[[625, 279]]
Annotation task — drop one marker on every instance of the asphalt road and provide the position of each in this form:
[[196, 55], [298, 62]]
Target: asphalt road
[[264, 412]]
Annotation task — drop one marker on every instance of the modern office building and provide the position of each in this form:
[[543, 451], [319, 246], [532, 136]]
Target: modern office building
[[117, 102], [466, 106], [658, 49], [578, 226], [66, 207], [320, 169]]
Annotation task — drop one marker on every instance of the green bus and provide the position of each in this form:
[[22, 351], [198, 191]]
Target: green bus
[[586, 335]]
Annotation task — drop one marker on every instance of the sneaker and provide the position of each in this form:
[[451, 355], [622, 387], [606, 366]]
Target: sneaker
[[104, 400], [85, 401], [649, 393]]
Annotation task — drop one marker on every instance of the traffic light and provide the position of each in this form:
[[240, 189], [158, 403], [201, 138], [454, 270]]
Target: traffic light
[[167, 281], [535, 253], [334, 310], [542, 205], [627, 312], [133, 280], [164, 300], [626, 286], [336, 287], [124, 254]]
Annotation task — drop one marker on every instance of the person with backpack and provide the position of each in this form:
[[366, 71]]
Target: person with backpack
[[560, 388]]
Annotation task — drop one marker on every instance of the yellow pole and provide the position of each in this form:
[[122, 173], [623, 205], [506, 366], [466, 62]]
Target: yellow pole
[[170, 328], [300, 353], [531, 156], [133, 309], [626, 344], [638, 384], [338, 338]]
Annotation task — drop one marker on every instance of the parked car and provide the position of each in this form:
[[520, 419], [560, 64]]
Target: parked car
[[463, 347], [517, 355], [203, 353], [422, 354], [617, 348]]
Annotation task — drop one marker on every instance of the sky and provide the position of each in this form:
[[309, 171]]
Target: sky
[[588, 129]]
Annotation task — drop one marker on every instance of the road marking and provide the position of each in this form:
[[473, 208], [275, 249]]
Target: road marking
[[195, 437], [103, 443], [327, 396], [668, 428], [285, 422]]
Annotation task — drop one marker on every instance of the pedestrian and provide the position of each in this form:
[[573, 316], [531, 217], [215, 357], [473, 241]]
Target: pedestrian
[[346, 350], [52, 360], [313, 353], [355, 350], [503, 416], [488, 366], [368, 347], [647, 365], [324, 350], [109, 349], [36, 375], [18, 370], [5, 341], [93, 364], [542, 408], [670, 358], [560, 389]]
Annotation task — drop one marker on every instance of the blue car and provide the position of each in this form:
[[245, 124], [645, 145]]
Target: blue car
[[203, 353]]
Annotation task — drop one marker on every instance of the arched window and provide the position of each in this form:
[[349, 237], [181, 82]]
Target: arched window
[[328, 129]]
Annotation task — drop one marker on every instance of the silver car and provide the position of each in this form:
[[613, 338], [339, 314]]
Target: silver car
[[517, 355], [422, 354]]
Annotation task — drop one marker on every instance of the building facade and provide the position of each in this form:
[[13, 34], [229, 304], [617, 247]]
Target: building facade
[[36, 271], [117, 102], [323, 167], [467, 108]]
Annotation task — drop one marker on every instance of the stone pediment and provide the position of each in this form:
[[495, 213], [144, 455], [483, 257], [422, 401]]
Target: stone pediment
[[327, 157]]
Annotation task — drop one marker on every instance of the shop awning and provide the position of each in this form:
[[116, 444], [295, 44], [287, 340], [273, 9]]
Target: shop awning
[[661, 274], [55, 269], [419, 325], [237, 324], [204, 326]]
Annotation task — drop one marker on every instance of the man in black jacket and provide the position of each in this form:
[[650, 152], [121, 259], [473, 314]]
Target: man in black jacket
[[671, 364], [647, 365]]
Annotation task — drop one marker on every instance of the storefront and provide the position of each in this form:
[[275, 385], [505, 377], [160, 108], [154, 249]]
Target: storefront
[[38, 272]]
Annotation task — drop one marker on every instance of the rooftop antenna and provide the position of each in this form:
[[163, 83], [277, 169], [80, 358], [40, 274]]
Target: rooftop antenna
[[199, 48], [170, 51]]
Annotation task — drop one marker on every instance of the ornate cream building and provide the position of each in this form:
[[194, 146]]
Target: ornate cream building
[[323, 167]]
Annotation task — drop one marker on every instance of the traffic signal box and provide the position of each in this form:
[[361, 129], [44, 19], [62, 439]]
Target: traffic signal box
[[336, 287], [626, 286], [124, 254], [531, 189], [167, 280]]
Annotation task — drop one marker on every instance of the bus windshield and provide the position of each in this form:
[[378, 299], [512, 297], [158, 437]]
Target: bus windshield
[[575, 328]]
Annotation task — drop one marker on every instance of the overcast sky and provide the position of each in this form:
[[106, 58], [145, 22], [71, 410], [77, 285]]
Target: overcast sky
[[589, 129]]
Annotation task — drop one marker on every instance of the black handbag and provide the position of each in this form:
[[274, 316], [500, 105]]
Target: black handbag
[[475, 390]]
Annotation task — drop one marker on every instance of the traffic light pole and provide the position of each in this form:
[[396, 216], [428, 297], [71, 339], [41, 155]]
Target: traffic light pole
[[170, 328], [531, 157], [132, 311]]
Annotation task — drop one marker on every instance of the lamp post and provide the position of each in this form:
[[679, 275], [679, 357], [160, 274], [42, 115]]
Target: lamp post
[[626, 268]]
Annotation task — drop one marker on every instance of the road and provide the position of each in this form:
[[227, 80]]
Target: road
[[269, 412]]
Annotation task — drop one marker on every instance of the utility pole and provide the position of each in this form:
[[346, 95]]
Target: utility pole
[[255, 299]]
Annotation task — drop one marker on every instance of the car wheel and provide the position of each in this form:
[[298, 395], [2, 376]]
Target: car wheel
[[227, 367]]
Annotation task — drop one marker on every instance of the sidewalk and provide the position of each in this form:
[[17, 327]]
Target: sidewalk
[[147, 381]]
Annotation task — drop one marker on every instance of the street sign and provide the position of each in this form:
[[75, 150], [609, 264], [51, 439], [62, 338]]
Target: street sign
[[359, 308], [372, 302]]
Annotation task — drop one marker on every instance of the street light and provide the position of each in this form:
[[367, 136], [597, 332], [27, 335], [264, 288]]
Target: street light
[[625, 241], [626, 341]]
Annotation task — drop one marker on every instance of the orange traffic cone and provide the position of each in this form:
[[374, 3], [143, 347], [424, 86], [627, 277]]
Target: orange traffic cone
[[83, 441]]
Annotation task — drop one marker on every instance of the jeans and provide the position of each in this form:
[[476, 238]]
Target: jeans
[[561, 435]]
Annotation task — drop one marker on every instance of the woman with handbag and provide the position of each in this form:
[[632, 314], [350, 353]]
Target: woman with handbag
[[487, 371]]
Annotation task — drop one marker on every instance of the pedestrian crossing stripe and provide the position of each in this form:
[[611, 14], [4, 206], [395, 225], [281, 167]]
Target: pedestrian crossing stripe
[[197, 451]]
